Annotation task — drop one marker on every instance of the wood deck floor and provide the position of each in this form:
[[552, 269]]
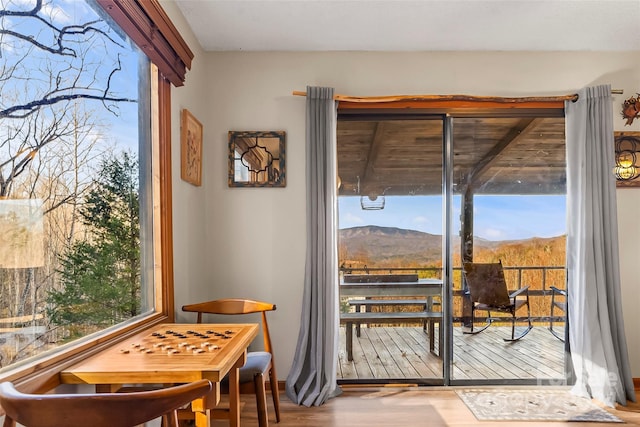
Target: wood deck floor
[[384, 353]]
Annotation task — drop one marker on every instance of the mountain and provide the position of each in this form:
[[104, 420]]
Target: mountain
[[385, 246]]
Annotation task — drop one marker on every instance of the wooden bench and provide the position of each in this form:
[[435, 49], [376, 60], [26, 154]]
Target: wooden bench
[[359, 304], [431, 317]]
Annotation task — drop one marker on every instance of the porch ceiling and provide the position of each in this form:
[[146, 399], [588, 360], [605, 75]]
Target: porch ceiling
[[502, 155]]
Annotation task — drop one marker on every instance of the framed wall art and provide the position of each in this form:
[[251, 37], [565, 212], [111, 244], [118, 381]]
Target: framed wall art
[[257, 159], [190, 148]]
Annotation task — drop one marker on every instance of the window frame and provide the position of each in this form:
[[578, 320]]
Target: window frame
[[151, 29]]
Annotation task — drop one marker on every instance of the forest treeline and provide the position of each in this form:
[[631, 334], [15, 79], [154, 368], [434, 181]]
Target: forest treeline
[[69, 196], [370, 248]]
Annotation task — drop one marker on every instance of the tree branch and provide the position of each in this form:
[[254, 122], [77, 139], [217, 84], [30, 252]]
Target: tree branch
[[22, 111], [59, 51], [60, 33], [32, 12]]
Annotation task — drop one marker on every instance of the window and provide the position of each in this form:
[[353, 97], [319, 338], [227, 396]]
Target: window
[[84, 175]]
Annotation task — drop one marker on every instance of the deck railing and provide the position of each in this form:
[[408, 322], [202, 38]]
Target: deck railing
[[539, 278]]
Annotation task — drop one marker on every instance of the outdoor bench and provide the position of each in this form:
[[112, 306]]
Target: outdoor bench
[[366, 304], [430, 317]]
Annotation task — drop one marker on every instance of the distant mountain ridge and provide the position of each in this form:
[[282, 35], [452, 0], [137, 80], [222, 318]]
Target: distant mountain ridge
[[390, 244]]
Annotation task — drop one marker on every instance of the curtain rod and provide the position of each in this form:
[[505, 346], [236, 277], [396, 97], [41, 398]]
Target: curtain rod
[[392, 98]]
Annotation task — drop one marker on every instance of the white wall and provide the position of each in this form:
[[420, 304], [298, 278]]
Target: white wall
[[251, 242], [189, 208]]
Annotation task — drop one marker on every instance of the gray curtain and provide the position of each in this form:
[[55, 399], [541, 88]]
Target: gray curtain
[[312, 378], [596, 327]]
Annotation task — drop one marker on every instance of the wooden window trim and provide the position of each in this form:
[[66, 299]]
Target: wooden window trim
[[166, 198], [42, 374], [151, 29]]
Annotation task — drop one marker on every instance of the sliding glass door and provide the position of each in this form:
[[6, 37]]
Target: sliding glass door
[[420, 195]]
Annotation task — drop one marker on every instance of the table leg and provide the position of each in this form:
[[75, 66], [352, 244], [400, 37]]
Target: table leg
[[201, 408], [432, 340], [203, 418], [234, 391], [440, 336], [349, 339]]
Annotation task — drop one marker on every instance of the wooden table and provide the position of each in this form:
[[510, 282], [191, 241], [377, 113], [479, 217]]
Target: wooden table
[[162, 355], [425, 289], [428, 288]]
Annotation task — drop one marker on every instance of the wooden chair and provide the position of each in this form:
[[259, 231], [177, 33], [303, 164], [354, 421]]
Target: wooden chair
[[259, 363], [560, 304], [488, 291], [97, 409]]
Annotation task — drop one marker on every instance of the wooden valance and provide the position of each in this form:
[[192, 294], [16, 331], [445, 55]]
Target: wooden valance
[[396, 98], [450, 101], [151, 29]]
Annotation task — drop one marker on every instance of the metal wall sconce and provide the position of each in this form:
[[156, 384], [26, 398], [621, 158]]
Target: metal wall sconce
[[627, 147]]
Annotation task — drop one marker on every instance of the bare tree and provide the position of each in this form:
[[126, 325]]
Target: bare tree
[[60, 80], [57, 66]]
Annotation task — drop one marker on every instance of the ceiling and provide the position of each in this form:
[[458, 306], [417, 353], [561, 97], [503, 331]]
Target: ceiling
[[499, 155], [414, 25]]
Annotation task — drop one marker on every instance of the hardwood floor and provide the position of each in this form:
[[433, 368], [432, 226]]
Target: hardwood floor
[[396, 406]]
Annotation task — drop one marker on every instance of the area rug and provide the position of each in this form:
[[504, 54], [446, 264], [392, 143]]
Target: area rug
[[533, 405]]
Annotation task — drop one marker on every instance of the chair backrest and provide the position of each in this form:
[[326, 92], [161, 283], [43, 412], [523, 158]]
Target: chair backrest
[[486, 283], [97, 409], [236, 306]]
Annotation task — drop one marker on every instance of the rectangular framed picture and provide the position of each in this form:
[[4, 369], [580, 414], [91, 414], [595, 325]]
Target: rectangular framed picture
[[190, 148]]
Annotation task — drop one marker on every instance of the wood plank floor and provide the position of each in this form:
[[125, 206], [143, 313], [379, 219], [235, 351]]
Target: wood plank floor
[[396, 407], [403, 353]]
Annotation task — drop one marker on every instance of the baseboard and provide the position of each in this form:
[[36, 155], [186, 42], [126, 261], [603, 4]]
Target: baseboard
[[281, 384]]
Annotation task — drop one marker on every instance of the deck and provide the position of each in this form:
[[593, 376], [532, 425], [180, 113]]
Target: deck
[[382, 353]]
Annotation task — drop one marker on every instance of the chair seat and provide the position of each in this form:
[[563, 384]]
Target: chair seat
[[258, 362]]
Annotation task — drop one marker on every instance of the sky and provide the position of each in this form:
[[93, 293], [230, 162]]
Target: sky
[[496, 217], [97, 62]]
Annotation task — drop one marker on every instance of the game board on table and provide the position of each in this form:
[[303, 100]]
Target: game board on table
[[180, 339], [167, 353]]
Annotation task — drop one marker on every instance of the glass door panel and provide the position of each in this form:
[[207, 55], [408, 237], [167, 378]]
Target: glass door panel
[[390, 208], [508, 207]]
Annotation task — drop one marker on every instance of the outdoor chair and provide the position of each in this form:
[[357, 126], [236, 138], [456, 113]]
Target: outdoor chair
[[488, 292], [559, 304], [97, 409], [259, 363]]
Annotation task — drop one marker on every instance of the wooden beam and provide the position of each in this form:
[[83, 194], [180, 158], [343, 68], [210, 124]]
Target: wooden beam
[[368, 186], [523, 128]]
